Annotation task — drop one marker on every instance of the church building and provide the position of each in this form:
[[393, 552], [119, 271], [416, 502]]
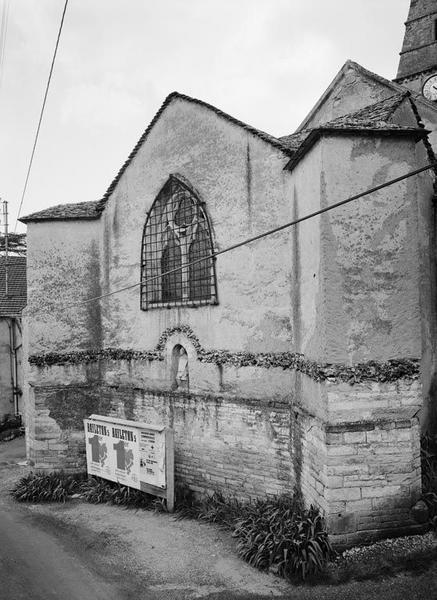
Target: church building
[[302, 361]]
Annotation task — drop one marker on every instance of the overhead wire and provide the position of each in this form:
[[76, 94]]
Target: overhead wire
[[259, 236], [41, 114], [3, 36]]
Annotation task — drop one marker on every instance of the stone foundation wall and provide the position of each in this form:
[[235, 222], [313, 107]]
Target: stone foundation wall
[[238, 446], [359, 461], [373, 471], [373, 478]]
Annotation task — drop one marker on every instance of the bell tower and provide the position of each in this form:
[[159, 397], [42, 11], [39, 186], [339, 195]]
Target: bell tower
[[418, 57]]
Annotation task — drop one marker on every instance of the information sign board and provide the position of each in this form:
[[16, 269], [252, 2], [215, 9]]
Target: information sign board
[[135, 454]]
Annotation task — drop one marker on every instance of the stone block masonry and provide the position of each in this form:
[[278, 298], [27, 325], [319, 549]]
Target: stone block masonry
[[236, 446], [373, 471], [363, 473], [371, 485]]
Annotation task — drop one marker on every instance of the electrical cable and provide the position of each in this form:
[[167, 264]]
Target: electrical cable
[[259, 236], [3, 35], [41, 114]]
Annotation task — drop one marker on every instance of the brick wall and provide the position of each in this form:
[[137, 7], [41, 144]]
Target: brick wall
[[239, 446], [359, 462]]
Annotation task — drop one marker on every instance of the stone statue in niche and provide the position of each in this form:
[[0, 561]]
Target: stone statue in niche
[[180, 369]]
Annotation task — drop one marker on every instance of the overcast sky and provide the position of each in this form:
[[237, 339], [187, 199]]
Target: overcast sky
[[265, 62]]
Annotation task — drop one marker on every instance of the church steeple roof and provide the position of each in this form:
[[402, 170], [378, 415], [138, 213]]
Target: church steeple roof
[[419, 50]]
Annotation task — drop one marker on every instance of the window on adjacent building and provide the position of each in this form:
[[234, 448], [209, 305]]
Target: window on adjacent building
[[175, 268]]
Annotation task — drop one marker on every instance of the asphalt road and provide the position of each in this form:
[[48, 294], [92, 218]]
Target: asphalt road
[[34, 566], [36, 563], [43, 557]]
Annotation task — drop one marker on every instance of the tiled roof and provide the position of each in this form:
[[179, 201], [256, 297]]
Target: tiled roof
[[393, 86], [92, 210], [257, 132], [295, 140], [12, 304], [374, 116], [66, 212], [373, 119]]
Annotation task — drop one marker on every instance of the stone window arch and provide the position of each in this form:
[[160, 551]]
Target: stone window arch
[[177, 233]]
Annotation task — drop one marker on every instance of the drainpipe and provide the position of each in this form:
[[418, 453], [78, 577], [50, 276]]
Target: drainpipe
[[17, 391], [14, 362], [11, 359]]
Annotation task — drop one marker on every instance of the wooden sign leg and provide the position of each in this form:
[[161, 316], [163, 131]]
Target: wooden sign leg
[[169, 459]]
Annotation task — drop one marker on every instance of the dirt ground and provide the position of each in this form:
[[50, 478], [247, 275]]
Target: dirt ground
[[153, 556]]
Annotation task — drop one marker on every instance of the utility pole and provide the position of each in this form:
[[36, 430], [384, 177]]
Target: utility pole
[[5, 223]]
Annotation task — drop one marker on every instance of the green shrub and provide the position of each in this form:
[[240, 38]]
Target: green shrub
[[279, 535], [59, 486], [275, 534], [47, 487], [97, 491], [211, 509]]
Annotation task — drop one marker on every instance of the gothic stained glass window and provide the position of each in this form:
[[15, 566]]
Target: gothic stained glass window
[[175, 268]]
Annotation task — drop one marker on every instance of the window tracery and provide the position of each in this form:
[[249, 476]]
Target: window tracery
[[175, 268]]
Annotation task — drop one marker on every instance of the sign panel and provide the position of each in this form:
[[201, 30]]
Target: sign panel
[[131, 453]]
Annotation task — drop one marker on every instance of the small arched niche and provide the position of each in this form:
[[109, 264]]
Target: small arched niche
[[180, 376]]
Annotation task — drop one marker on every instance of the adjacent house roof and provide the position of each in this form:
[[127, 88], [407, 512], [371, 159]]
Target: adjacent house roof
[[12, 303], [66, 212]]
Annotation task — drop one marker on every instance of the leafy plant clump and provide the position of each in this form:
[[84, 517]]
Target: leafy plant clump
[[101, 491], [210, 509], [60, 486], [429, 476], [280, 536], [277, 535], [47, 487]]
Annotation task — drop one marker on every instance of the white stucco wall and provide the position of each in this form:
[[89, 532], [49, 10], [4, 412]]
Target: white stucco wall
[[241, 180], [370, 251], [63, 269]]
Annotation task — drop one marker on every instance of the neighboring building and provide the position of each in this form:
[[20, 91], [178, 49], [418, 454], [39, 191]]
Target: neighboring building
[[13, 299], [303, 361]]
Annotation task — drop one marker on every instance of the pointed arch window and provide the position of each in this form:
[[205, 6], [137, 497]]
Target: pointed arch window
[[175, 268]]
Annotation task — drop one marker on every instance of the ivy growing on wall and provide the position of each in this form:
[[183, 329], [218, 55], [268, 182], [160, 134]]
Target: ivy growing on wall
[[388, 371]]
